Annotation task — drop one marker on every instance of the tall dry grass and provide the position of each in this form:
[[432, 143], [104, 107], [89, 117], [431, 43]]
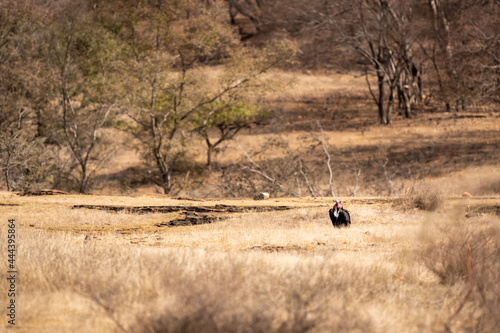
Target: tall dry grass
[[186, 290], [465, 255], [257, 272], [421, 197]]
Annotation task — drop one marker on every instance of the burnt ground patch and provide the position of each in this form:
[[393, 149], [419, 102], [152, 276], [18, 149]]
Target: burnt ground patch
[[172, 209], [191, 215]]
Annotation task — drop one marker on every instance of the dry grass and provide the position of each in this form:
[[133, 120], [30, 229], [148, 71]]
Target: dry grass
[[424, 198], [465, 255], [254, 272]]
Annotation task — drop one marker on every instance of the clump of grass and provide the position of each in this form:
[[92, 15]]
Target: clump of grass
[[423, 198], [466, 256]]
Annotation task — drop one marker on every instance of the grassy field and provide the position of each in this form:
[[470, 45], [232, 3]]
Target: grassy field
[[396, 269]]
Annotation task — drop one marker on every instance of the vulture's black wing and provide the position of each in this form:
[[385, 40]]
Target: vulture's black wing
[[347, 217], [333, 218]]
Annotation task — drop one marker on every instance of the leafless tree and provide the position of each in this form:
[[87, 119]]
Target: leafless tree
[[377, 34], [464, 48], [80, 58], [382, 34]]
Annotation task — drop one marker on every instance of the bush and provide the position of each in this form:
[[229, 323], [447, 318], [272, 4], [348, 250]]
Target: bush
[[424, 199], [22, 163]]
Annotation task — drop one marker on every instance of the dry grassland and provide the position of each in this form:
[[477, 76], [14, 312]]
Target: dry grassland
[[414, 263], [396, 269]]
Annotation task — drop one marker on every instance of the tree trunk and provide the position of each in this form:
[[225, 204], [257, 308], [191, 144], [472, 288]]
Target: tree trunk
[[209, 157], [164, 171], [381, 96], [442, 31], [39, 124], [83, 180], [209, 151], [6, 175], [407, 99], [390, 104], [448, 106], [166, 182], [407, 105], [6, 168], [419, 95]]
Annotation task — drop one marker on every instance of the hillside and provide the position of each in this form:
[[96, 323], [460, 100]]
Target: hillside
[[228, 98], [432, 147]]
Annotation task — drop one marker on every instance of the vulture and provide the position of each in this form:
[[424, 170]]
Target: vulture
[[339, 215]]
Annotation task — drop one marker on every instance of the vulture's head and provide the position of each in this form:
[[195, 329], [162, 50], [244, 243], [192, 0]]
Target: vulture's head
[[337, 207], [338, 204]]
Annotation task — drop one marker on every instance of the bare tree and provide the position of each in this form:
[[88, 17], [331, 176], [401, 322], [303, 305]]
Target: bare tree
[[443, 41], [80, 53], [382, 33], [463, 48], [379, 35]]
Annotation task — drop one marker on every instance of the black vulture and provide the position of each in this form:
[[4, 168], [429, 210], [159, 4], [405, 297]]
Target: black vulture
[[339, 215]]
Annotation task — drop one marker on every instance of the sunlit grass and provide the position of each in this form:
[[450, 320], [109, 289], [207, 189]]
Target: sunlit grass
[[262, 272]]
